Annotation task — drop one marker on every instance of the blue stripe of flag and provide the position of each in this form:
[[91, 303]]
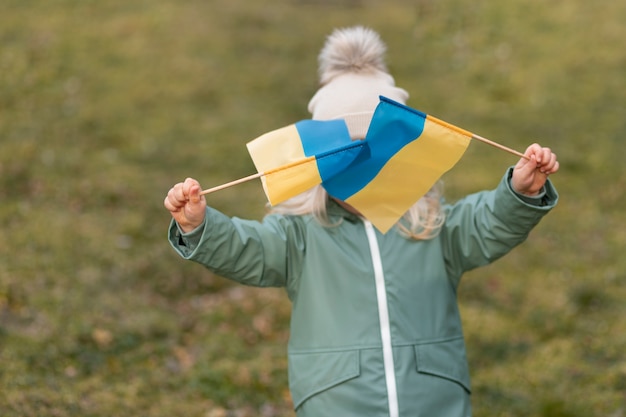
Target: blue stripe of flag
[[329, 141]]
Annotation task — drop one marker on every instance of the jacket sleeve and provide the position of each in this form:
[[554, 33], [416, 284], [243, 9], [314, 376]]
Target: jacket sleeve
[[253, 253], [485, 226]]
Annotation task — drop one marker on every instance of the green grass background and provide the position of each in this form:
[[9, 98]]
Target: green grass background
[[106, 104]]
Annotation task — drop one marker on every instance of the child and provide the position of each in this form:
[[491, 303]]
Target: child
[[375, 326]]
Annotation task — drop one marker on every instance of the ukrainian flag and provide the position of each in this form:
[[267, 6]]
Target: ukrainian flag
[[410, 151], [297, 157]]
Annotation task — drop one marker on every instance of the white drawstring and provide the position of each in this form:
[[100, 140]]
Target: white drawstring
[[383, 316]]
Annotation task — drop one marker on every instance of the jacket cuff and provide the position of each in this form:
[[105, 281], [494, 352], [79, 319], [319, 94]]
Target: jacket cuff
[[185, 243], [547, 198]]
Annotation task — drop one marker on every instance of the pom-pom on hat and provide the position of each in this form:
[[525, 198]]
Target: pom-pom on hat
[[353, 75]]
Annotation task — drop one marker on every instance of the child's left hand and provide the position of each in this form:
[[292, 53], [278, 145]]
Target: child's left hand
[[530, 175]]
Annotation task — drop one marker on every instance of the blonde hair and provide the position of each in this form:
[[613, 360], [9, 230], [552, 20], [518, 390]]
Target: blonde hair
[[421, 222]]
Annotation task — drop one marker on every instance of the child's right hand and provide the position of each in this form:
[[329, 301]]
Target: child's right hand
[[186, 204]]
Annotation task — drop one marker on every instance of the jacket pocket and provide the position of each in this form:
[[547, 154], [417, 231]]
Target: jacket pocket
[[313, 373], [445, 360]]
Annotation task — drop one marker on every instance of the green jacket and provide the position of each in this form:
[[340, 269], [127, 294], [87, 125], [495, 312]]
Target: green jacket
[[375, 326]]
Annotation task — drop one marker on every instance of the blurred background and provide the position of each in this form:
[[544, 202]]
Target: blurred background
[[105, 105]]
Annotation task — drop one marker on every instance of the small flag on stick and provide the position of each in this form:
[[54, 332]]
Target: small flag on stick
[[410, 151], [300, 156]]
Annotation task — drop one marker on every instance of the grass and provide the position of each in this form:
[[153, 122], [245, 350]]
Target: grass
[[105, 105]]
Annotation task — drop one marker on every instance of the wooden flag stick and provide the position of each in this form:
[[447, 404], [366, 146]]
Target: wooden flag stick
[[497, 145], [297, 162], [259, 175], [474, 136], [230, 184], [303, 160]]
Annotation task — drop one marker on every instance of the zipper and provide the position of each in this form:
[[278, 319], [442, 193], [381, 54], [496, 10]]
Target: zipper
[[383, 316]]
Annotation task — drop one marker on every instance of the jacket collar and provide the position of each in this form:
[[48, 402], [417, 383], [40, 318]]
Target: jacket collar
[[335, 210]]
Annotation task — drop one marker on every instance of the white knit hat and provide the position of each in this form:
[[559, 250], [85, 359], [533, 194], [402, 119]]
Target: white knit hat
[[353, 75]]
